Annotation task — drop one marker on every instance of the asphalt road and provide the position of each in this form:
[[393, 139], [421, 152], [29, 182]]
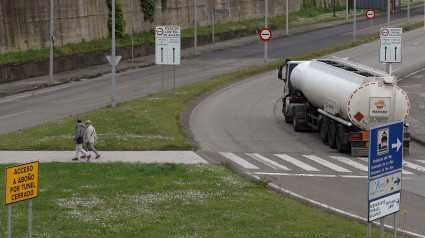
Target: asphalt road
[[243, 122], [41, 106], [251, 124]]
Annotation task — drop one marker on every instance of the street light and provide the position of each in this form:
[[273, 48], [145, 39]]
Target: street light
[[51, 43]]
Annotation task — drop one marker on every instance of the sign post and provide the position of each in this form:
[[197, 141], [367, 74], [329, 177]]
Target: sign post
[[390, 51], [167, 48], [218, 12], [21, 184], [370, 14], [385, 171]]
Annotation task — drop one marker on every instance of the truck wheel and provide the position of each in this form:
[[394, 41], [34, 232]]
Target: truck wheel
[[339, 138], [324, 130], [332, 134], [288, 119]]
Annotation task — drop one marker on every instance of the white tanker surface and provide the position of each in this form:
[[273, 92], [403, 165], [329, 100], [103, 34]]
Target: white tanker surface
[[364, 96]]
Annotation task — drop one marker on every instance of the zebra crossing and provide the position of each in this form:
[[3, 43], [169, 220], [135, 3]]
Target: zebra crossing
[[311, 165]]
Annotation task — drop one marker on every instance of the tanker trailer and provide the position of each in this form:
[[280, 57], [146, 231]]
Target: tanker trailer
[[342, 100]]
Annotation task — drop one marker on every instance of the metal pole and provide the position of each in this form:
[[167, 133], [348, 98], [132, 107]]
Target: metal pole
[[354, 20], [174, 80], [381, 232], [213, 25], [408, 11], [51, 43], [388, 13], [195, 34], [113, 54], [162, 80], [265, 22], [395, 220], [287, 17], [30, 218], [346, 10], [369, 230], [9, 221]]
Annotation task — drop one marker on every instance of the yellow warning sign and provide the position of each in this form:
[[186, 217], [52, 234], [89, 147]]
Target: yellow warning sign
[[21, 182]]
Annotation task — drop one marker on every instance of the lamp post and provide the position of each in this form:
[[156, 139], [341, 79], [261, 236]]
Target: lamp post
[[113, 54], [51, 43]]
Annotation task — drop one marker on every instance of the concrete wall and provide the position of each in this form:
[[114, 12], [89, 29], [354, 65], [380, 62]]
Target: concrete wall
[[25, 24]]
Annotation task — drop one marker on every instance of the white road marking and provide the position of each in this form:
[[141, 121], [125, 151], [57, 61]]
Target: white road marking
[[421, 161], [14, 114], [296, 162], [266, 161], [414, 166], [238, 160], [350, 162], [327, 164]]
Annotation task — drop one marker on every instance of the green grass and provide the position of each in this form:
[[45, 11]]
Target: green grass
[[299, 18], [151, 123], [164, 200]]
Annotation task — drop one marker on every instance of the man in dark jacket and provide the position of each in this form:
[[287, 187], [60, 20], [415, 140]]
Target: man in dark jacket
[[79, 139]]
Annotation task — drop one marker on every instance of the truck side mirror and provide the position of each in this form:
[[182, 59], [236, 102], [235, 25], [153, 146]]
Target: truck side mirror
[[280, 73]]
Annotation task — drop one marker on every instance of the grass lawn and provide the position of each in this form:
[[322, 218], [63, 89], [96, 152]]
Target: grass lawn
[[151, 123], [164, 200]]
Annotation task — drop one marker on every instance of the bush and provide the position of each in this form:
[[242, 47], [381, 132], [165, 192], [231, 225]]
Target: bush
[[119, 19]]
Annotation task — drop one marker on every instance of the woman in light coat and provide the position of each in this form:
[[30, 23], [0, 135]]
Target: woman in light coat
[[90, 138]]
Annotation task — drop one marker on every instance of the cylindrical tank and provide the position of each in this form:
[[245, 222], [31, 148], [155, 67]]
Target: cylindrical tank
[[360, 97]]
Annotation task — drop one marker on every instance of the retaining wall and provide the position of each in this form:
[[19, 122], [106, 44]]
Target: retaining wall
[[25, 24]]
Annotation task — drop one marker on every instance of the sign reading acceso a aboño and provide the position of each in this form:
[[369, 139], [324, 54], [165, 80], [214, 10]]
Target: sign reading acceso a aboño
[[21, 182]]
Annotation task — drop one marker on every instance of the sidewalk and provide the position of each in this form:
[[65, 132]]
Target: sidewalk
[[178, 157]]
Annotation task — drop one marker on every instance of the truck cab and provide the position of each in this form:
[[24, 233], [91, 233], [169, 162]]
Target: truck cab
[[290, 95]]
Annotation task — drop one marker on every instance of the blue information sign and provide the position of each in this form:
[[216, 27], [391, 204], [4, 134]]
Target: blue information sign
[[385, 149]]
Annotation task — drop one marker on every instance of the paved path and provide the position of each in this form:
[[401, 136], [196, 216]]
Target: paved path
[[179, 157]]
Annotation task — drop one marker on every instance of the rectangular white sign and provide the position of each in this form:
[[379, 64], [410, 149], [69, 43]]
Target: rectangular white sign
[[384, 185], [384, 206], [167, 45], [390, 50]]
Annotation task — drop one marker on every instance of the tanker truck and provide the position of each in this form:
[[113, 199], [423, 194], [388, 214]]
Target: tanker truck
[[342, 100]]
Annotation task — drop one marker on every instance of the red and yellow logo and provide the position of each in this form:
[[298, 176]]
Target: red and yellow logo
[[380, 104]]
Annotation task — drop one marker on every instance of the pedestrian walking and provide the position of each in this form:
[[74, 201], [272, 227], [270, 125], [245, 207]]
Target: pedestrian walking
[[79, 139], [90, 138]]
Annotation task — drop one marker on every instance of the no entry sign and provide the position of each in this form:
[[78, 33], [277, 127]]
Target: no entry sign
[[265, 34], [370, 14]]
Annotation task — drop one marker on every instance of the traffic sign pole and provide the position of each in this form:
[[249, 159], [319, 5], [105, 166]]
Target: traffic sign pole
[[265, 42], [354, 20]]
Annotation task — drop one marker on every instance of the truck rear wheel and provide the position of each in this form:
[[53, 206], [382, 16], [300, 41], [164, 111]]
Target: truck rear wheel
[[332, 134], [288, 119], [339, 138], [324, 130]]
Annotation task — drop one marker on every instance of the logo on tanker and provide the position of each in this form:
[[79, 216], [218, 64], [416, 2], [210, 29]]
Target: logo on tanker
[[380, 107], [380, 104]]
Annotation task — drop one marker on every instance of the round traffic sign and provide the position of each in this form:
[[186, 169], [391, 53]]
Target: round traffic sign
[[160, 31], [385, 32], [265, 34], [370, 14]]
